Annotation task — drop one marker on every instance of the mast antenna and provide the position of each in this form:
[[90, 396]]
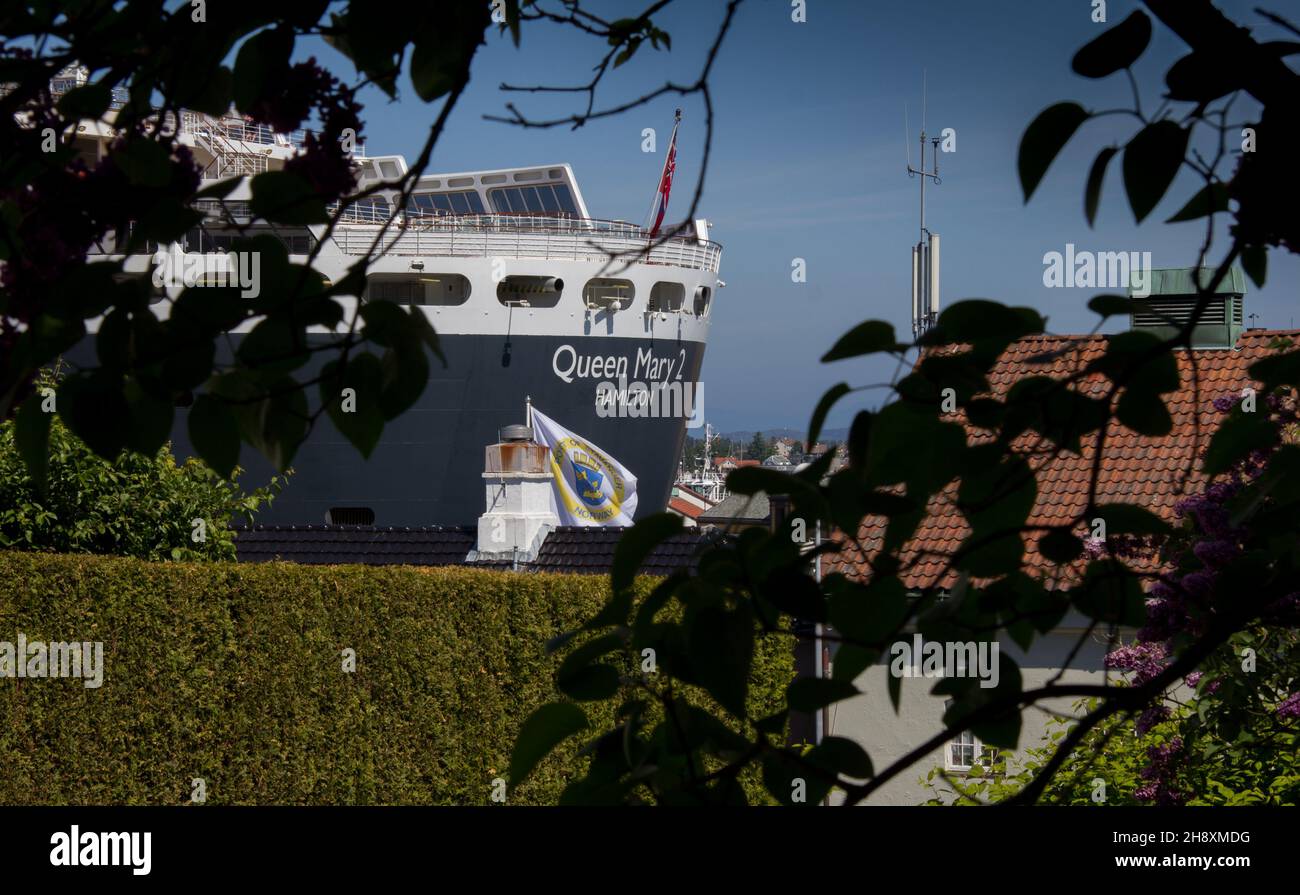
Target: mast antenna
[[925, 254]]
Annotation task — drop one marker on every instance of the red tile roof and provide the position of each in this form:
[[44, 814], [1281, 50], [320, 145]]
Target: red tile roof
[[1149, 471], [685, 507], [722, 461]]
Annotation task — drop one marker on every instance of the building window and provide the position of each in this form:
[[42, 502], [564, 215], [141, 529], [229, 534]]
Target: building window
[[606, 292], [464, 202], [550, 198], [961, 752], [965, 752]]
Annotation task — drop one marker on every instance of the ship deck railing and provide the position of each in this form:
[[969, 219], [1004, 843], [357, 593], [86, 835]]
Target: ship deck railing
[[232, 128], [551, 237]]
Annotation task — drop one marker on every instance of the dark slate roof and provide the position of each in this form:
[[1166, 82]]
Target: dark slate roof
[[364, 544], [573, 548], [744, 509]]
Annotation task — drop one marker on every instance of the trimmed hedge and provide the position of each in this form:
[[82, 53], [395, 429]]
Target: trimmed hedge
[[234, 674]]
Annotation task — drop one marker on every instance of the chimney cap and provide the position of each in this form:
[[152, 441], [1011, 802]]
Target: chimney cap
[[516, 433]]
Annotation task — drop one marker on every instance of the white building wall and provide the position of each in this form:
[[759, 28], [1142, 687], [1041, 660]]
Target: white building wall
[[869, 719]]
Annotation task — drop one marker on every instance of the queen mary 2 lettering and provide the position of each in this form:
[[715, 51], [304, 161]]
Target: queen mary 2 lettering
[[530, 296]]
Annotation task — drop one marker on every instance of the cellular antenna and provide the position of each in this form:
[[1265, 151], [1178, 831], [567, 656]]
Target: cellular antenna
[[925, 254]]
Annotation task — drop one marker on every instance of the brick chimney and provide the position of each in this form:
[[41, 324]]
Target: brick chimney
[[517, 479]]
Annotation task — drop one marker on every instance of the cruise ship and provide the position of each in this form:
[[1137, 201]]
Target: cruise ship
[[532, 298]]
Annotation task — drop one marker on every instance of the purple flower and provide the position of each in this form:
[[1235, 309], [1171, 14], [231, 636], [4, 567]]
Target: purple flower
[[1289, 709]]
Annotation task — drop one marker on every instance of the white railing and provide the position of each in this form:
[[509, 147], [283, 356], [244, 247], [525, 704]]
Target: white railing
[[527, 236]]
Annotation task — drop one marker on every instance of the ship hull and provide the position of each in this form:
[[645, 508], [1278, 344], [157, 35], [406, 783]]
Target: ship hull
[[427, 468]]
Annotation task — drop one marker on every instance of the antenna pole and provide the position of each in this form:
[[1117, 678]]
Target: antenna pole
[[925, 255]]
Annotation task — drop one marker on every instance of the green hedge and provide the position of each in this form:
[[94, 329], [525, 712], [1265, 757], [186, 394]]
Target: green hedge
[[234, 674]]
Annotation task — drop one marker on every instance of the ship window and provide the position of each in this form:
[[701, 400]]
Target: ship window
[[388, 169], [465, 202], [606, 292], [493, 178], [703, 295], [565, 198], [430, 289], [667, 297], [461, 181], [551, 198], [530, 292], [528, 175], [350, 516]]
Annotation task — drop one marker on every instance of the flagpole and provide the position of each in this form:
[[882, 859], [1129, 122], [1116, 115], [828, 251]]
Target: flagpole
[[528, 411], [659, 184]]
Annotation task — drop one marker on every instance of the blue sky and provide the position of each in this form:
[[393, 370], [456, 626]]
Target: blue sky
[[809, 162]]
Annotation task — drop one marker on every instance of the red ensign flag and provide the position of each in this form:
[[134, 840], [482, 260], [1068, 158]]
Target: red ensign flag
[[665, 185]]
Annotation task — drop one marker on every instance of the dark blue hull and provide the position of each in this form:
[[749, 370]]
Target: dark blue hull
[[427, 469]]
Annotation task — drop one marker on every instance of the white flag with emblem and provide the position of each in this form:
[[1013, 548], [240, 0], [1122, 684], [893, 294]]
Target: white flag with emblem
[[590, 486]]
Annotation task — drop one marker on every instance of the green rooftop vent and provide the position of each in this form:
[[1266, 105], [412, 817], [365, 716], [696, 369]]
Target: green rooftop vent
[[1169, 298]]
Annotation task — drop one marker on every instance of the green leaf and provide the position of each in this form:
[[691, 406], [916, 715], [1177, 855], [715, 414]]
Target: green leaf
[[1096, 176], [144, 162], [1151, 160], [1240, 434], [1138, 355], [721, 648], [870, 337], [89, 101], [637, 543], [1278, 369], [824, 407], [261, 64], [1043, 141], [867, 613], [150, 417], [94, 408], [214, 432], [1131, 519], [1201, 77], [1254, 259], [1114, 50], [579, 679], [839, 755], [1144, 412], [808, 694], [31, 436], [385, 323], [1111, 592], [1060, 546], [544, 729], [590, 683], [1110, 305], [286, 198], [1211, 199], [221, 189], [357, 415]]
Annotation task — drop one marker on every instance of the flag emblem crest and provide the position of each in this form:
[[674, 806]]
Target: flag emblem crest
[[589, 487]]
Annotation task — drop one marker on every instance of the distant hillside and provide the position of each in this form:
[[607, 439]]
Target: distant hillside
[[800, 434]]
